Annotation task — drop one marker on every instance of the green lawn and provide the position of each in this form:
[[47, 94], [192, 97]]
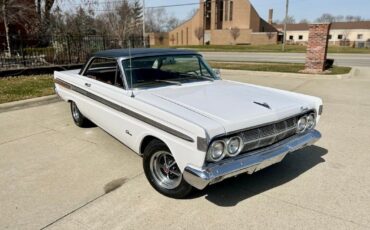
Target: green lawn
[[272, 48], [25, 87], [271, 67]]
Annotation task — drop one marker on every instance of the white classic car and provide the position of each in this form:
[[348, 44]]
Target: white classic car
[[191, 127]]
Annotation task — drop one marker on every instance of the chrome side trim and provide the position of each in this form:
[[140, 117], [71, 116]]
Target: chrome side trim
[[257, 160], [124, 110]]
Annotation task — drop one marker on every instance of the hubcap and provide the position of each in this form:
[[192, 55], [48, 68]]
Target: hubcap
[[75, 112], [165, 170]]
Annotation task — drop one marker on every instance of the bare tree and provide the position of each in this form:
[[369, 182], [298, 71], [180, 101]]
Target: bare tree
[[44, 14], [158, 20], [191, 13], [339, 18], [199, 33], [329, 18], [235, 33], [304, 21], [351, 18], [14, 12], [172, 23], [80, 23], [119, 18], [288, 20], [326, 18]]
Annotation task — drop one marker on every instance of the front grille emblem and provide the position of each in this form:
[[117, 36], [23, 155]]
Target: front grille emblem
[[264, 104]]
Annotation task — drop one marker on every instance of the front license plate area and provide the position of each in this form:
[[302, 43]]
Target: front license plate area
[[270, 162]]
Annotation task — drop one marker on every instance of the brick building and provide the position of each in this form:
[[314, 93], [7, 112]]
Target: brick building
[[215, 18]]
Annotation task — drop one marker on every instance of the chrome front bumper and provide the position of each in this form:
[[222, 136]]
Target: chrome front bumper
[[250, 163]]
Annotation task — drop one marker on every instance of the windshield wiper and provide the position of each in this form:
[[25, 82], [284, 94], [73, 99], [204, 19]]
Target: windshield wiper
[[170, 82], [207, 78], [199, 76]]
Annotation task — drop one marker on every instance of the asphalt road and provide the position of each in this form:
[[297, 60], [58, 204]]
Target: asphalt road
[[359, 60], [55, 175]]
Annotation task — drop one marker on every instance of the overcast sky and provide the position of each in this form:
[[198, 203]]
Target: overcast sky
[[300, 9]]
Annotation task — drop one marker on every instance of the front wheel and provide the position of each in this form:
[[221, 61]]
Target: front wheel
[[162, 171]]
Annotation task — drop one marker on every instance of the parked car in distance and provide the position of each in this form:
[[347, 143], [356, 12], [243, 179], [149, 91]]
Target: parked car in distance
[[191, 127]]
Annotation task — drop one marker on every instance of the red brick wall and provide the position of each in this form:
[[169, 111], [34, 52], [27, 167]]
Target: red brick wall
[[317, 47]]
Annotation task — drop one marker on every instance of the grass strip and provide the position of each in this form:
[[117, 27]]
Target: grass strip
[[25, 87]]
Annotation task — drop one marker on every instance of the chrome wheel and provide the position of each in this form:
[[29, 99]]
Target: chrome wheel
[[164, 169], [75, 112]]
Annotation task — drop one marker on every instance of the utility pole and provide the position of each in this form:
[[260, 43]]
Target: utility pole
[[285, 22], [144, 42]]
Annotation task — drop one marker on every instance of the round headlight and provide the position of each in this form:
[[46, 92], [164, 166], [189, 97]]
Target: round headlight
[[302, 124], [216, 151], [234, 146], [311, 121]]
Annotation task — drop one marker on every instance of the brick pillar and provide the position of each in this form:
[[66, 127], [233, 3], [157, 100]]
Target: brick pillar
[[317, 48]]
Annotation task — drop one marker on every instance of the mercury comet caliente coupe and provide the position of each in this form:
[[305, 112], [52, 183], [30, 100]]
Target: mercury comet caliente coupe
[[191, 127]]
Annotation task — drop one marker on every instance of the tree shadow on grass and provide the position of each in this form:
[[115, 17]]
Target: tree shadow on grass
[[234, 190]]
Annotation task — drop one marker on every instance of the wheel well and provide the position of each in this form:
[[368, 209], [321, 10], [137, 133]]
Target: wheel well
[[146, 141]]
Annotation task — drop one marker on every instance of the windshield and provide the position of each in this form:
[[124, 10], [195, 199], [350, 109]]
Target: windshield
[[159, 71]]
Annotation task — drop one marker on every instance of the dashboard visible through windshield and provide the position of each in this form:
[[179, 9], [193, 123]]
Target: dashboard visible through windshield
[[159, 71]]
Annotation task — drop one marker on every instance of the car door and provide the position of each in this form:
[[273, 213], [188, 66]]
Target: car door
[[108, 100]]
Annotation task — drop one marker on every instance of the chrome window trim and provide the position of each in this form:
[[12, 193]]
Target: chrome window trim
[[199, 57], [88, 63]]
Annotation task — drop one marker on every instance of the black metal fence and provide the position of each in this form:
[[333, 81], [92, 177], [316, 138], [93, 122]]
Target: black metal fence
[[60, 50]]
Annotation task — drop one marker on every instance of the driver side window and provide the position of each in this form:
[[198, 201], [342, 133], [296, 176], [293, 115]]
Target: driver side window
[[105, 70]]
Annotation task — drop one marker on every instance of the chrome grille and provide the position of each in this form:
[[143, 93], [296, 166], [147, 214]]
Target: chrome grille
[[269, 134]]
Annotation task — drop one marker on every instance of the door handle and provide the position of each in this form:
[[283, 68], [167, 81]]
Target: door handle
[[88, 84]]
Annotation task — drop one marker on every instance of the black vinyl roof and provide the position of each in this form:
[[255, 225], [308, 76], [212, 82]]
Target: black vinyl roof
[[142, 52]]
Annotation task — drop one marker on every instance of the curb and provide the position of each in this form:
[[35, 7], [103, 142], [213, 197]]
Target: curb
[[16, 105], [295, 75]]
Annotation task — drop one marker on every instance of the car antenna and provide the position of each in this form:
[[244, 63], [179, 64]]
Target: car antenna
[[129, 55]]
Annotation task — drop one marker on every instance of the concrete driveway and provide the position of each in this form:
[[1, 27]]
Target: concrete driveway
[[55, 175], [359, 60]]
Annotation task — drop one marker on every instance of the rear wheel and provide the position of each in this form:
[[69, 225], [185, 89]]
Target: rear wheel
[[79, 119], [162, 171]]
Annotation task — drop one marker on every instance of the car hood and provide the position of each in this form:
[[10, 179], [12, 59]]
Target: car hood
[[226, 106]]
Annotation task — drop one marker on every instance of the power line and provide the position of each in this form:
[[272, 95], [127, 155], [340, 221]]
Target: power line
[[148, 7]]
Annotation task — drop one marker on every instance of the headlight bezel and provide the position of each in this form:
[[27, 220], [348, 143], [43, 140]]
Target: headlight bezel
[[304, 125], [240, 146], [223, 154], [310, 124]]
